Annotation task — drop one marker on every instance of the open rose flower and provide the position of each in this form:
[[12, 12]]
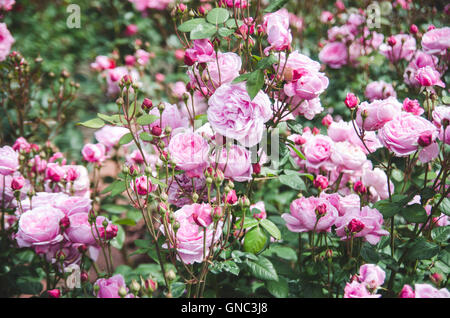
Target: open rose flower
[[94, 152], [6, 41], [404, 48], [318, 150], [109, 135], [9, 160], [436, 41], [373, 116], [236, 163], [334, 54], [379, 90], [109, 287]]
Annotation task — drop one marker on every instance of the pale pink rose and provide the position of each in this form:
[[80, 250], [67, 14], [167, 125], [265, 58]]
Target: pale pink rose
[[412, 106], [428, 291], [171, 117], [6, 41], [113, 77], [69, 205], [318, 150], [6, 191], [279, 35], [334, 54], [347, 156], [235, 161], [202, 215], [355, 20], [262, 214], [102, 63], [428, 76], [407, 292], [190, 152], [142, 185], [296, 22], [190, 237], [94, 152], [340, 130], [39, 164], [306, 84], [379, 90], [80, 230], [377, 113], [143, 5], [326, 17], [231, 113], [9, 160], [201, 52], [369, 227], [310, 214], [142, 56], [376, 181], [436, 41], [109, 287], [404, 48], [39, 228], [441, 113], [372, 275], [348, 203], [420, 59], [178, 89], [81, 185], [109, 135], [401, 134], [6, 5], [307, 108], [341, 33], [358, 290], [295, 61]]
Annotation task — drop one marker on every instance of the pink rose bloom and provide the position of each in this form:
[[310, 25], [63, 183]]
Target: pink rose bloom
[[180, 190], [372, 275], [113, 77], [428, 291], [436, 41], [199, 106], [143, 5], [296, 61], [369, 222], [6, 5], [305, 215], [190, 152], [231, 113], [39, 228], [306, 84], [190, 236], [404, 48], [326, 17], [334, 54], [54, 172], [347, 156], [178, 89], [109, 287], [69, 205], [80, 231], [412, 106], [377, 113], [318, 150], [6, 191], [358, 290], [379, 90], [279, 35], [201, 52], [81, 185], [341, 33], [236, 163], [171, 117], [102, 63], [202, 215], [428, 76], [407, 292], [109, 135], [6, 41], [262, 214], [143, 185], [142, 56], [420, 59], [21, 144], [235, 3], [348, 203], [401, 134], [39, 164], [307, 108], [94, 152], [376, 181], [9, 160], [439, 114]]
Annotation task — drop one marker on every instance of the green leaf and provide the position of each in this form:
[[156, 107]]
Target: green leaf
[[279, 289], [293, 181], [217, 16], [275, 5], [93, 123], [421, 249], [178, 289], [254, 83], [114, 208], [414, 213], [127, 138], [369, 254], [156, 181], [271, 228], [445, 206], [295, 126], [231, 23], [255, 240], [387, 208], [241, 78], [248, 223], [446, 100], [266, 62], [280, 251], [297, 152], [262, 269], [145, 136], [190, 25], [224, 32], [441, 234], [125, 221], [147, 119], [118, 241], [113, 119], [117, 187], [203, 31]]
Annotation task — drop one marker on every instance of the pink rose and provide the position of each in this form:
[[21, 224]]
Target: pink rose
[[113, 77], [428, 76], [236, 163], [143, 5], [55, 172], [428, 291], [401, 134], [143, 185], [295, 61], [80, 231], [69, 205], [420, 59], [180, 190], [94, 152], [21, 144], [190, 152], [6, 41], [407, 292], [347, 156], [306, 84], [404, 48], [171, 117], [376, 181], [372, 275], [202, 215], [102, 63], [143, 57], [279, 35], [178, 89], [412, 106], [358, 290], [109, 287], [9, 160], [307, 108], [6, 5], [440, 114], [201, 52], [262, 214], [231, 113], [318, 150], [379, 90], [334, 54], [39, 228], [81, 185], [377, 113], [436, 41], [310, 214], [109, 135]]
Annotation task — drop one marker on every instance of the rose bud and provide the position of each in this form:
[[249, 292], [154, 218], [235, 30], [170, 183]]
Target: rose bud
[[425, 139], [359, 187], [231, 197], [413, 29], [327, 120], [320, 182], [256, 168], [355, 226], [17, 183], [147, 104], [156, 130], [64, 223], [392, 41], [351, 101], [321, 210], [54, 293]]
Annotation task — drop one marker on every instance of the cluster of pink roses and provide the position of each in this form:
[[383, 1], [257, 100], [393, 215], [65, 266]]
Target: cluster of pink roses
[[366, 284]]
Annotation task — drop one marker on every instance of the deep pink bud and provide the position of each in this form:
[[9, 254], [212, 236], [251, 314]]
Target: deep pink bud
[[72, 174], [431, 27], [413, 29], [425, 139], [355, 226], [54, 293], [64, 223], [82, 248], [130, 60], [299, 140], [201, 10], [321, 210], [156, 130], [17, 183], [407, 292], [131, 30], [315, 131], [327, 120], [392, 41], [320, 182], [256, 168], [217, 212], [182, 7], [436, 278], [231, 197], [147, 104], [84, 276], [110, 232], [351, 101], [359, 187]]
